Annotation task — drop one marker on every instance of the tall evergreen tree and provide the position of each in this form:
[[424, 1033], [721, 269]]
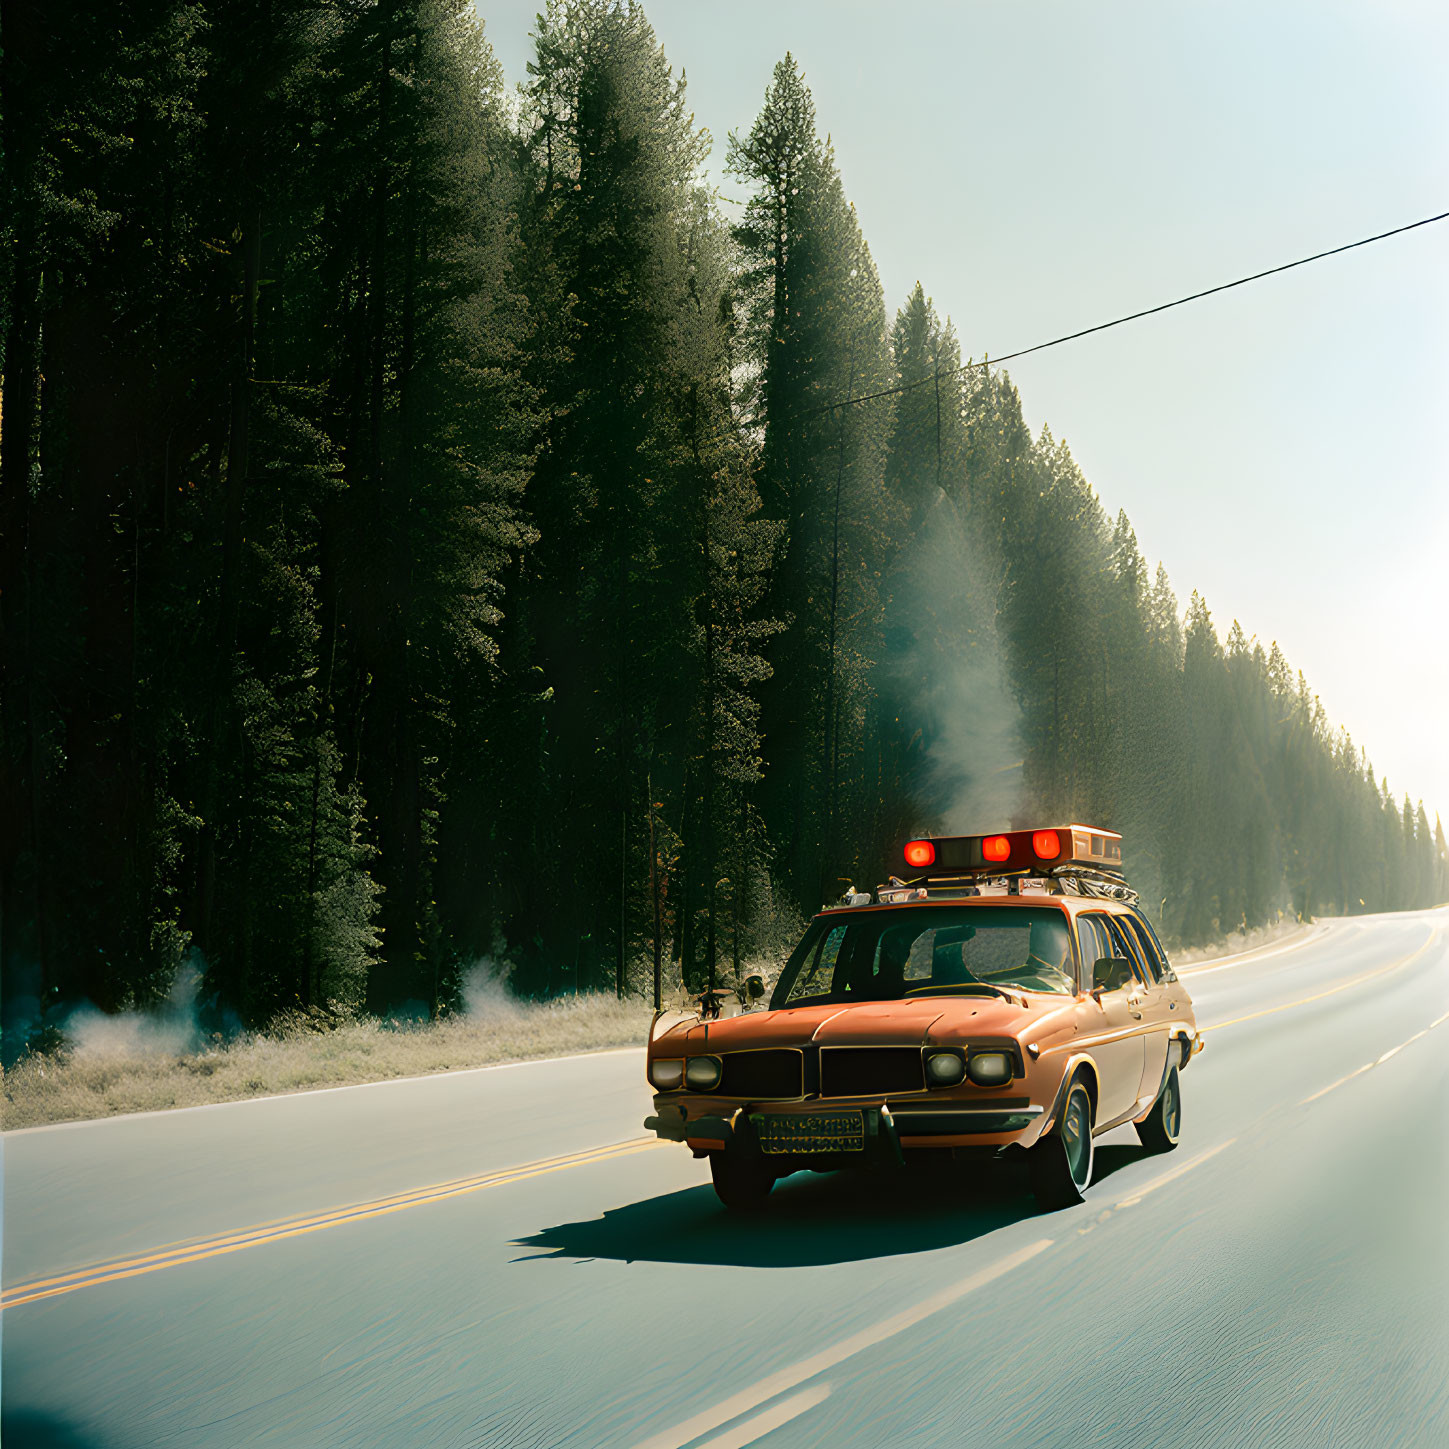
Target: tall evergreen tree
[[815, 337], [433, 420], [639, 487]]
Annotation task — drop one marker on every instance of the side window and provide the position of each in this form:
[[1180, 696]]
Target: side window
[[1124, 943], [1094, 942], [1145, 943]]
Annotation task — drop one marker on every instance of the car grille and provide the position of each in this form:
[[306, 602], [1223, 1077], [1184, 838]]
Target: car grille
[[870, 1071], [761, 1075]]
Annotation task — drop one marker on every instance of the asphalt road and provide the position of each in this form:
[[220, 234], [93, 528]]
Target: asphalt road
[[496, 1258]]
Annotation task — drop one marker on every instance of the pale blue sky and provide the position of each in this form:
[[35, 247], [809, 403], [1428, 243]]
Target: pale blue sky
[[1041, 167]]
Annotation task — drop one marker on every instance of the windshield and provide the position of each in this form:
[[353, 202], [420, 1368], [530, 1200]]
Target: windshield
[[928, 951]]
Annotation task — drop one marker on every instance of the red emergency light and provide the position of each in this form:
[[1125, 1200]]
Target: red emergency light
[[1016, 852]]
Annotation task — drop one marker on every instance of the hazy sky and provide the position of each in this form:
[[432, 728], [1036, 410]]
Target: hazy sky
[[1043, 167]]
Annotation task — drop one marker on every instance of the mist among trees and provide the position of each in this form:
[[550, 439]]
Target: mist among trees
[[429, 529]]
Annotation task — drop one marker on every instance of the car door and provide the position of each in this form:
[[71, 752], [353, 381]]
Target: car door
[[1110, 1023], [1153, 1006]]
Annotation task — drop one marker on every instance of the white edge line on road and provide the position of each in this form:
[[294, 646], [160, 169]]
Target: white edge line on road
[[808, 1368], [1434, 936], [1307, 936], [770, 1420], [319, 1091], [1324, 1091], [1174, 1174], [1186, 1167], [1369, 1066]]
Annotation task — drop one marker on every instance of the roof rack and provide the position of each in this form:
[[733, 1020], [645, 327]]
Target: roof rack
[[1093, 881], [1072, 880]]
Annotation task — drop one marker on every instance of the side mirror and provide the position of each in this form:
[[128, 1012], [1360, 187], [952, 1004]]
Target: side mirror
[[1111, 973], [754, 987]]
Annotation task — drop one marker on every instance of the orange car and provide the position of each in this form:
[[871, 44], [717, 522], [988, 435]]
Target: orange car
[[1009, 998]]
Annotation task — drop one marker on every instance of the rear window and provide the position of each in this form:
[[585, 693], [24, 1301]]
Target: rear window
[[1151, 948], [929, 951]]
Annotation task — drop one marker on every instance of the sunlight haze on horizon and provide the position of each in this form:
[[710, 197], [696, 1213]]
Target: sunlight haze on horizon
[[1041, 168]]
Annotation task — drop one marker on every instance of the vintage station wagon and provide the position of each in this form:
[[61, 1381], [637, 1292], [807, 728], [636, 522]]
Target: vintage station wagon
[[1003, 995]]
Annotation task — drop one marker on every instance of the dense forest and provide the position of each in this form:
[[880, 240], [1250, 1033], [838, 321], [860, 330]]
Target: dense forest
[[431, 528]]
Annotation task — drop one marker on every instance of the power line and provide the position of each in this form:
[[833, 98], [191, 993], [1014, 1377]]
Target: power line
[[1119, 321]]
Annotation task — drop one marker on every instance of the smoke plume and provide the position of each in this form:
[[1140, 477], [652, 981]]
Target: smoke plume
[[954, 680]]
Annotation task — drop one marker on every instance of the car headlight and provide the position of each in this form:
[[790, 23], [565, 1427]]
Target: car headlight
[[703, 1073], [667, 1074], [989, 1069], [944, 1069]]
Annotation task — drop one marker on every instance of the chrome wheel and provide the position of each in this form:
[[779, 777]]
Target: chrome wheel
[[1077, 1138], [1161, 1127], [1172, 1107], [1061, 1164]]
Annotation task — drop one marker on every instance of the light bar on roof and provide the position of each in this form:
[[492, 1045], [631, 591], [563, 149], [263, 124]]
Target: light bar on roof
[[1012, 852]]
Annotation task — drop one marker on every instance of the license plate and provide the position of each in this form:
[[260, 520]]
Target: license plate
[[811, 1132]]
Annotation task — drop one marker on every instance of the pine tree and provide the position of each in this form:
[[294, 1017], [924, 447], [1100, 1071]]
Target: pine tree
[[642, 596], [815, 336], [433, 425], [928, 437], [101, 136]]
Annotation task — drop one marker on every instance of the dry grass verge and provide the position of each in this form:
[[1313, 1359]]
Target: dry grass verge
[[102, 1079], [110, 1072]]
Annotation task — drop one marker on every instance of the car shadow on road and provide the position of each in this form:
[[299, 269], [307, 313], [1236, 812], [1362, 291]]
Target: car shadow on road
[[36, 1429], [1114, 1157], [808, 1221]]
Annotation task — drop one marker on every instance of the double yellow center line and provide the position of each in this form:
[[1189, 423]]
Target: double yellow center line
[[272, 1232]]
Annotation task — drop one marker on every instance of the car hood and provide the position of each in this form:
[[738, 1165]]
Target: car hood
[[911, 1023]]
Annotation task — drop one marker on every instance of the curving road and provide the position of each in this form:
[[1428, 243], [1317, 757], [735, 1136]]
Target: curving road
[[497, 1260]]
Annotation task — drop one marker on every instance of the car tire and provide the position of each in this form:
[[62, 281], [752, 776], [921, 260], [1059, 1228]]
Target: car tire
[[1160, 1129], [742, 1180], [1061, 1163]]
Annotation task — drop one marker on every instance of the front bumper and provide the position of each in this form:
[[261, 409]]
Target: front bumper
[[901, 1125], [926, 1126]]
